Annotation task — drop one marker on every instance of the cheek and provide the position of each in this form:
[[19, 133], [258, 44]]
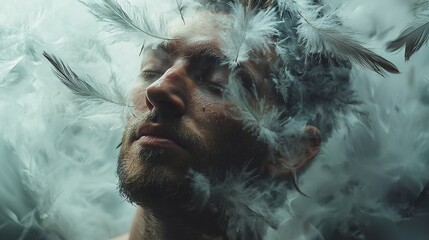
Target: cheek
[[139, 97], [228, 141], [213, 112], [217, 124], [128, 160]]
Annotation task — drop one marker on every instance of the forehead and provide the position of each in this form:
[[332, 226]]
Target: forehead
[[200, 34]]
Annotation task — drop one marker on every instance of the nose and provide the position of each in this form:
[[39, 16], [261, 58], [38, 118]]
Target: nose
[[167, 95]]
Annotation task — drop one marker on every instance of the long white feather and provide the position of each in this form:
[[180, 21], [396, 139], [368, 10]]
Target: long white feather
[[82, 88], [250, 31], [128, 22], [323, 34]]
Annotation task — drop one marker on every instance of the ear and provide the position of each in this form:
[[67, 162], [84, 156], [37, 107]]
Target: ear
[[308, 146]]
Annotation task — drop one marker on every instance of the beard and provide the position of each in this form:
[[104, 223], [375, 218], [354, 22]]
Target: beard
[[151, 174], [153, 181], [151, 177]]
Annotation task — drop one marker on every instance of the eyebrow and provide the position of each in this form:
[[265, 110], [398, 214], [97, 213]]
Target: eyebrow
[[202, 49]]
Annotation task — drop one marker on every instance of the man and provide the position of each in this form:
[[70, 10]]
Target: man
[[230, 106], [189, 141], [229, 110], [232, 103]]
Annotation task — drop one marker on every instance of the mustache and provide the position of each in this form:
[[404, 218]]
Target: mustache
[[174, 126]]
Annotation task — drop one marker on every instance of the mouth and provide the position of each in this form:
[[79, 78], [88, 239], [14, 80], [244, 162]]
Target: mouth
[[154, 135]]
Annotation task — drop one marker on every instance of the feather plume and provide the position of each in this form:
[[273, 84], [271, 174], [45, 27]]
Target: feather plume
[[297, 7], [80, 87], [323, 35], [264, 120], [250, 31], [244, 204], [413, 38], [127, 22]]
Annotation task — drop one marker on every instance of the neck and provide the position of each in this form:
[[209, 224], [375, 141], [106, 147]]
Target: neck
[[163, 224], [239, 207]]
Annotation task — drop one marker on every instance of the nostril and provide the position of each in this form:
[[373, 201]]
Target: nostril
[[173, 106], [167, 98], [149, 104]]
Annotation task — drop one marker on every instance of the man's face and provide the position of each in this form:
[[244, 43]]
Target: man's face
[[181, 118]]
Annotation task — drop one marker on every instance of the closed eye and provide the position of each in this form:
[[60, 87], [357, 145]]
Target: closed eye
[[150, 75], [215, 88]]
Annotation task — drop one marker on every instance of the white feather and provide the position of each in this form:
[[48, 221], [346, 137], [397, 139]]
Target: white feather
[[263, 119], [235, 197], [323, 34], [128, 22], [62, 183], [250, 31]]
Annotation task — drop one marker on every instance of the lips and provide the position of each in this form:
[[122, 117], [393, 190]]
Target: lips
[[157, 136]]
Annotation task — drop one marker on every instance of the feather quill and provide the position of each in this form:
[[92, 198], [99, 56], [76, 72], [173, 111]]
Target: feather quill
[[250, 31], [79, 86], [129, 22], [322, 35], [413, 38], [180, 8]]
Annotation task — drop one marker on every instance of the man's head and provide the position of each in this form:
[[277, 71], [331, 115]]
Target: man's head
[[184, 118]]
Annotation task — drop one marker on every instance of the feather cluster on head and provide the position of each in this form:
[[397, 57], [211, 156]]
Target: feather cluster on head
[[311, 74]]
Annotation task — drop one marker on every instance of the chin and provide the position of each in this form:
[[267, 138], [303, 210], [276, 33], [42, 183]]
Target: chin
[[150, 176]]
